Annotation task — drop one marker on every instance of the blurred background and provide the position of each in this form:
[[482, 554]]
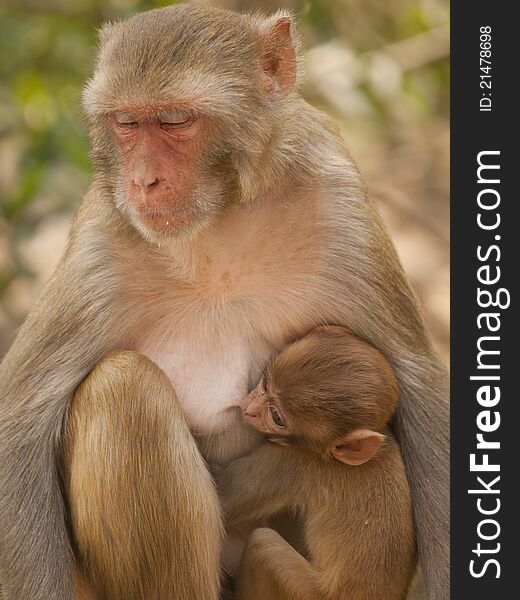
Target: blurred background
[[380, 67]]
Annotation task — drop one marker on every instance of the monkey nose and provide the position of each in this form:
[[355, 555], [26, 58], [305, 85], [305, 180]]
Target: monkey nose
[[252, 415], [145, 183]]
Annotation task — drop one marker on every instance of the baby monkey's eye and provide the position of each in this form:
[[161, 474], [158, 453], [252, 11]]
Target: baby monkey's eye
[[275, 415]]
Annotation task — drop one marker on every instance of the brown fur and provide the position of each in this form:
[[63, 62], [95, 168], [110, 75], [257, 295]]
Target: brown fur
[[358, 519], [329, 383], [286, 240], [273, 570], [130, 462]]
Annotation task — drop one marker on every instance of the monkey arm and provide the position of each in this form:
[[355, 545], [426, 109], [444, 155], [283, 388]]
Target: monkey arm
[[272, 569], [255, 486], [70, 328]]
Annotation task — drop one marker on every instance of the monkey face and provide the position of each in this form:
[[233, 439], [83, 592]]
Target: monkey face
[[177, 123], [262, 410], [164, 184]]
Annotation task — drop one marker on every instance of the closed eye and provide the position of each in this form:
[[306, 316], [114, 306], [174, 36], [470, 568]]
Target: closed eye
[[175, 119], [125, 121]]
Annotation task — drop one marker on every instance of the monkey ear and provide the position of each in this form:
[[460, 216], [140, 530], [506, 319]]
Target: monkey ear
[[108, 31], [278, 58], [358, 447]]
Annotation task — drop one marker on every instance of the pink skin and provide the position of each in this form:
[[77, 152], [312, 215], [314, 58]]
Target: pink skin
[[161, 153]]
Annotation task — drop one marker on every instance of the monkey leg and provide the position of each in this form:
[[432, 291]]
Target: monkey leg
[[272, 570], [81, 588], [144, 512]]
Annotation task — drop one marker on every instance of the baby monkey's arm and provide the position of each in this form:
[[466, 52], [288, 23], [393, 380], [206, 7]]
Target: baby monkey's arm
[[255, 486]]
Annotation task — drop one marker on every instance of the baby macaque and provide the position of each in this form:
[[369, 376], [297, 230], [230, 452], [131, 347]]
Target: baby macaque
[[324, 404]]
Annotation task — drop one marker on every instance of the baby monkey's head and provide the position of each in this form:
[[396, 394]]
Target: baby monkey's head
[[329, 392]]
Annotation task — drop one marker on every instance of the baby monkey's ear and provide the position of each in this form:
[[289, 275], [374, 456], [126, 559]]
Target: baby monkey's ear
[[358, 446]]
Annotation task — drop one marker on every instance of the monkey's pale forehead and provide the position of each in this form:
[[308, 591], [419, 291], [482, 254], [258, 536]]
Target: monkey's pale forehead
[[180, 55]]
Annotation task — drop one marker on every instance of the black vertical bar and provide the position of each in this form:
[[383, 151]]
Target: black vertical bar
[[475, 131]]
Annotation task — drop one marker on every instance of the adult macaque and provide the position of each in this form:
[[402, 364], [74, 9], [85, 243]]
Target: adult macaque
[[225, 218], [326, 400]]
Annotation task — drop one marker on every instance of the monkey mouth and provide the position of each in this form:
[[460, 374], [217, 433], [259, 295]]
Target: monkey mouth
[[164, 220], [164, 214], [253, 422]]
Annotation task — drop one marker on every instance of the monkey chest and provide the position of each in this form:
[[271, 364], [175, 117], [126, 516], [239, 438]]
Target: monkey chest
[[214, 354], [249, 293], [209, 378]]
